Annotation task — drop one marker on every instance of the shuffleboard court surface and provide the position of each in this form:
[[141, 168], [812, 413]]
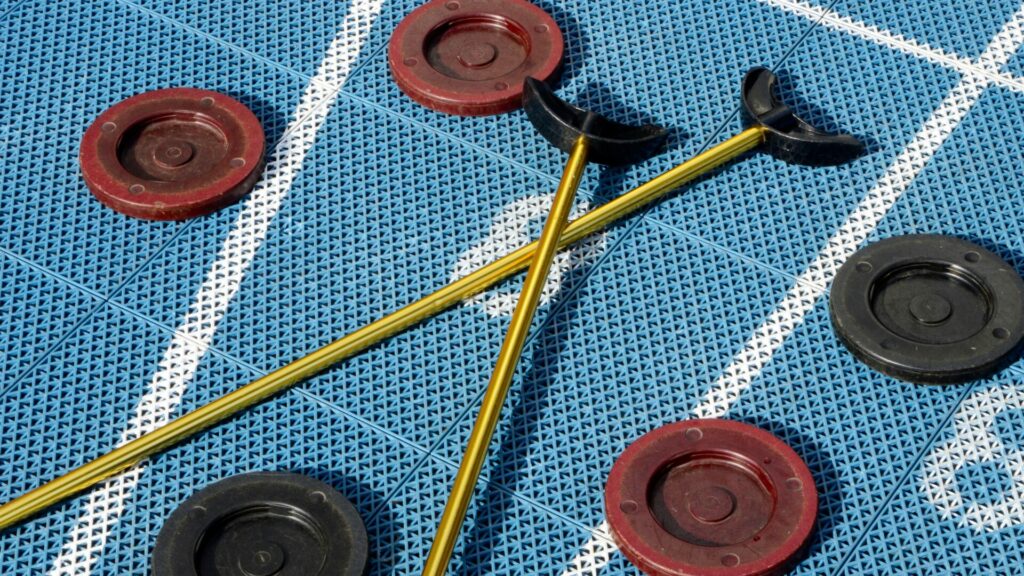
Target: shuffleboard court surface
[[711, 303]]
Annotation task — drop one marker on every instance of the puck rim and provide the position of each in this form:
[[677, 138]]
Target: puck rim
[[439, 92], [174, 553], [872, 343], [114, 186], [648, 457]]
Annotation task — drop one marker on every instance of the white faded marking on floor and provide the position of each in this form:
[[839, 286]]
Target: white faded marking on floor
[[105, 504], [596, 553], [811, 284], [509, 231]]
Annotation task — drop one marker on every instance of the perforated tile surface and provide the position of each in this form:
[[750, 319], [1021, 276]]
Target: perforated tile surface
[[63, 65], [1016, 64], [961, 27], [38, 311], [712, 303]]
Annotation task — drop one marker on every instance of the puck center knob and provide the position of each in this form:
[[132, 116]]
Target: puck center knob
[[711, 504], [930, 309], [477, 55], [173, 153], [266, 559]]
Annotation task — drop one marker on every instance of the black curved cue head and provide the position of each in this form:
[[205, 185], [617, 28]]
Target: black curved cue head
[[788, 137], [609, 142]]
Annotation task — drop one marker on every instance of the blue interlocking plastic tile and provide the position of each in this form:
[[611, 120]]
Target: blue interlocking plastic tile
[[63, 65], [292, 433], [783, 214], [37, 310], [678, 64], [959, 27], [971, 188], [913, 534], [633, 348], [295, 35], [502, 534], [73, 406], [858, 431], [372, 201]]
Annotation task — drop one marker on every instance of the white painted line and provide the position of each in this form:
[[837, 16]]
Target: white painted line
[[836, 21], [811, 284], [976, 442], [105, 504]]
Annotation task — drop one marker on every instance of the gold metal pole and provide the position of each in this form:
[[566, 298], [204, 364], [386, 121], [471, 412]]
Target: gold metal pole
[[504, 368], [201, 418]]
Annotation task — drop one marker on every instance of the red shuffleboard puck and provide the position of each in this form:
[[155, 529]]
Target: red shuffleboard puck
[[470, 57], [711, 498], [172, 154]]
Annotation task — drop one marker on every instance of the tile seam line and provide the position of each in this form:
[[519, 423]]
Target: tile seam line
[[52, 275], [427, 455], [11, 10], [169, 331], [76, 326], [398, 488], [1005, 32], [815, 25], [153, 13], [729, 251], [829, 18], [582, 557], [110, 299], [331, 406], [500, 486], [451, 137], [73, 329], [911, 468]]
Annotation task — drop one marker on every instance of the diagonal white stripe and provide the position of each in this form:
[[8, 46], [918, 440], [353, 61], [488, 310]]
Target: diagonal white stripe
[[105, 504], [810, 285]]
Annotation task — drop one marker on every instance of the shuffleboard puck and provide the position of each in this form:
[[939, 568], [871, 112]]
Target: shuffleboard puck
[[711, 497], [172, 154], [929, 309], [470, 57], [263, 524]]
